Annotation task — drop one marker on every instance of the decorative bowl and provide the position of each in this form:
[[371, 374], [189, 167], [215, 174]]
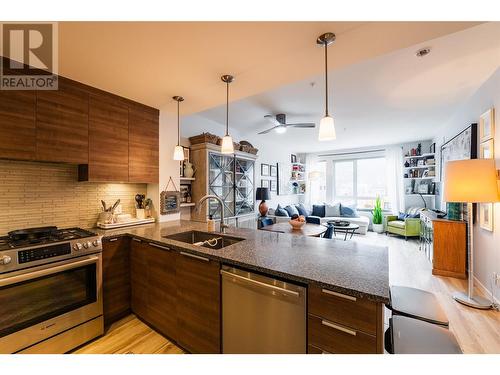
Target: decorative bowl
[[296, 225]]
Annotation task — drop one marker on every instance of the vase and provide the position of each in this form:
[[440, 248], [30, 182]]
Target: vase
[[140, 213], [378, 228], [188, 170]]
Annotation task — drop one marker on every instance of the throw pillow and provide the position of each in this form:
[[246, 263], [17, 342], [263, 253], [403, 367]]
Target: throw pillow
[[347, 211], [402, 216], [291, 210], [280, 211], [318, 210], [302, 209], [332, 210], [414, 216]]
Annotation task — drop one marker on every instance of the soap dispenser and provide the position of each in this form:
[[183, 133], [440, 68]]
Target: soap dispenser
[[211, 224]]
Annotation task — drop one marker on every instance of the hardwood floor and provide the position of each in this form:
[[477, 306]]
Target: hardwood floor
[[130, 336], [477, 331]]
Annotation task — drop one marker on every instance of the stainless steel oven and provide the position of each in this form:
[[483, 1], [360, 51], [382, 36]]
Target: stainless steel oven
[[52, 307]]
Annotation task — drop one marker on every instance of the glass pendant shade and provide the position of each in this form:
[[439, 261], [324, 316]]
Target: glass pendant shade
[[227, 145], [327, 129], [178, 153]]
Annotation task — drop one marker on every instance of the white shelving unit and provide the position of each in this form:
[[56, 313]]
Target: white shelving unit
[[418, 179]]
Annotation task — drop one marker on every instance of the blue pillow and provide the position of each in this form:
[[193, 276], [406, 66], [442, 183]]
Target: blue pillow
[[402, 216], [346, 211], [302, 209], [291, 210], [414, 216], [318, 210], [280, 211]]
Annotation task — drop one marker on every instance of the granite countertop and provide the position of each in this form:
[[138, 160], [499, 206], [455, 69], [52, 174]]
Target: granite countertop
[[344, 266]]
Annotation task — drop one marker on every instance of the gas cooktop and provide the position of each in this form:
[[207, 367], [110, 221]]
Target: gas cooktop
[[40, 236]]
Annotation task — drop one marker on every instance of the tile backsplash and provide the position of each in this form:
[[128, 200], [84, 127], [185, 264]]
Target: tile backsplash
[[37, 194]]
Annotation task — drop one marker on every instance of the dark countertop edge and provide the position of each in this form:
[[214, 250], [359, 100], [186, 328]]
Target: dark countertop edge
[[291, 277]]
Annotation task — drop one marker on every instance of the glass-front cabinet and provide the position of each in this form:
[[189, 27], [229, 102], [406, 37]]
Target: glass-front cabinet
[[231, 178]]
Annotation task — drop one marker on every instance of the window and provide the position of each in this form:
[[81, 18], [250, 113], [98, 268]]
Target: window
[[358, 182], [317, 180]]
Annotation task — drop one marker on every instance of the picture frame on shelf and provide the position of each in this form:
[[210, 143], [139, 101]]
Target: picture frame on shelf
[[273, 170], [182, 163], [273, 186], [264, 169], [293, 158], [432, 148], [486, 151], [487, 125], [264, 183]]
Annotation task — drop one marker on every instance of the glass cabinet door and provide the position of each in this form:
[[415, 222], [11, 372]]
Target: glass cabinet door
[[221, 183], [244, 186]]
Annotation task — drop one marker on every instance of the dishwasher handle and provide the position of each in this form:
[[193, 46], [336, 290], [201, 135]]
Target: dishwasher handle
[[249, 281]]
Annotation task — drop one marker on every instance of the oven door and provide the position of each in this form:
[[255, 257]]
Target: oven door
[[41, 302]]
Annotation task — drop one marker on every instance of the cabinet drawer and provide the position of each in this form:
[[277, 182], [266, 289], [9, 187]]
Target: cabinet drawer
[[349, 311], [311, 349], [335, 338]]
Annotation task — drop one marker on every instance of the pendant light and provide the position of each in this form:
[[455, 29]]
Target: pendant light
[[178, 151], [326, 125], [227, 140]]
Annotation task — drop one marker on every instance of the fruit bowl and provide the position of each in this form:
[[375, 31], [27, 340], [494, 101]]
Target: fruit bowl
[[296, 225]]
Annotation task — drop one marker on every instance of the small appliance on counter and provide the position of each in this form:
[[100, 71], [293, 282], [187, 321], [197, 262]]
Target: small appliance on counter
[[51, 286], [112, 217]]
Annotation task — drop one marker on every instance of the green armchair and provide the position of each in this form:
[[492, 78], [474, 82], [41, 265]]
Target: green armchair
[[410, 227]]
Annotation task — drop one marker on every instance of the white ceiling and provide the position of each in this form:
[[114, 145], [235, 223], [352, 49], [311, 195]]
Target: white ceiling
[[394, 98], [152, 61]]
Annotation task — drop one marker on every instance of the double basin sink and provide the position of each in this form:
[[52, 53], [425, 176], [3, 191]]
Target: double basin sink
[[204, 239]]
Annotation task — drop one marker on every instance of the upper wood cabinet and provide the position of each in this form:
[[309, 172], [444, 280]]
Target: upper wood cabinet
[[108, 140], [62, 131], [17, 125], [143, 144]]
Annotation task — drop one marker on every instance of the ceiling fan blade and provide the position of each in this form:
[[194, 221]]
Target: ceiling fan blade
[[302, 125], [272, 120], [268, 130]]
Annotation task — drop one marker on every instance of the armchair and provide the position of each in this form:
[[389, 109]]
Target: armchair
[[409, 227]]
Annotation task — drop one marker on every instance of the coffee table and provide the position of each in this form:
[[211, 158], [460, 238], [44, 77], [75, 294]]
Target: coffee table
[[347, 229]]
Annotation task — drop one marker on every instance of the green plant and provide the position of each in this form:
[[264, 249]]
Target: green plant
[[377, 212]]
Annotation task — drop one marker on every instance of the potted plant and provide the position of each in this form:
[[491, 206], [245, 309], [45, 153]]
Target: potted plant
[[378, 218]]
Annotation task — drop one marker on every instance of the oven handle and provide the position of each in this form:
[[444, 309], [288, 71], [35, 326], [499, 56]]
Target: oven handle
[[47, 271]]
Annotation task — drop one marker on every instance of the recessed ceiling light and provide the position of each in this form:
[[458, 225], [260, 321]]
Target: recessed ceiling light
[[423, 52]]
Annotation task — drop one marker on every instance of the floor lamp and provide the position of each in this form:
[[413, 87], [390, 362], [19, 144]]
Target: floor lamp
[[471, 181]]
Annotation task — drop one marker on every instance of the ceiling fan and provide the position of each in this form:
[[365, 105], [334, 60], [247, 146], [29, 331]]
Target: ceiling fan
[[280, 124]]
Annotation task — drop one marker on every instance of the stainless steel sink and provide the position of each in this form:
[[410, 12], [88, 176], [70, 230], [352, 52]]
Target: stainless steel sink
[[205, 239]]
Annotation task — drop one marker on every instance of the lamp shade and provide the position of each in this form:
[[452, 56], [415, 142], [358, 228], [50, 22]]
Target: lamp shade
[[227, 145], [471, 181], [178, 153], [263, 194], [327, 129]]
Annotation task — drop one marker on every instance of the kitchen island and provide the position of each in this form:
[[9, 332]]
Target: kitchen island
[[347, 283]]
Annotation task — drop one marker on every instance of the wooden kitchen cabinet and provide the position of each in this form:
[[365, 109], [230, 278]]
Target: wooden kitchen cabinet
[[153, 273], [62, 123], [143, 144], [17, 125], [115, 278], [198, 303], [108, 140], [343, 324]]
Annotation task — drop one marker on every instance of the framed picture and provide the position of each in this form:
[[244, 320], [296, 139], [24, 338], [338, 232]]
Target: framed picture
[[486, 149], [293, 158], [486, 216], [487, 125], [274, 185], [273, 170], [264, 183], [183, 162], [264, 169]]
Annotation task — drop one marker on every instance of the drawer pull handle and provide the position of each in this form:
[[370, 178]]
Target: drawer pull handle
[[340, 295], [158, 246], [113, 239], [194, 256], [136, 240], [338, 328]]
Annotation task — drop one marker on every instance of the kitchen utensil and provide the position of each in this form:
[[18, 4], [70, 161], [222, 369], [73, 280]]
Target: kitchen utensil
[[115, 205], [103, 205], [139, 198]]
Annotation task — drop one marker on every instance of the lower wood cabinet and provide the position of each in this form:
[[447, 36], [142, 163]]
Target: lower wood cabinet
[[116, 278], [343, 324], [198, 303]]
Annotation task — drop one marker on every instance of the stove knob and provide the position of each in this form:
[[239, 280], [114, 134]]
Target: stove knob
[[87, 244], [96, 243], [5, 259], [77, 246]]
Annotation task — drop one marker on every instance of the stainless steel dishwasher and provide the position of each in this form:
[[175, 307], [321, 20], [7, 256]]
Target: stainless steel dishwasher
[[261, 314]]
